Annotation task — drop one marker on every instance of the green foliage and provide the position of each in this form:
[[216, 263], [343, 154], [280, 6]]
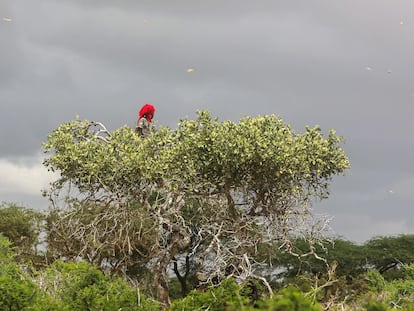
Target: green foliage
[[376, 280], [77, 147], [289, 299], [22, 227], [17, 291], [65, 287], [396, 294], [6, 253], [372, 270], [388, 254], [203, 154], [226, 296], [376, 306], [220, 186], [229, 296], [259, 153], [401, 291], [359, 268], [175, 287], [81, 286]]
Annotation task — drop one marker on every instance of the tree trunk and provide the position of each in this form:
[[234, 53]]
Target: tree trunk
[[161, 280], [183, 278], [231, 205], [179, 241]]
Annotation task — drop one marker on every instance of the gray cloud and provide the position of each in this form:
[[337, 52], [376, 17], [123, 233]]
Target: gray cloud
[[342, 65]]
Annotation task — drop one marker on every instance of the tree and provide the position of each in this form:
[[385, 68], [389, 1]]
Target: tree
[[390, 253], [22, 226], [350, 259], [208, 190]]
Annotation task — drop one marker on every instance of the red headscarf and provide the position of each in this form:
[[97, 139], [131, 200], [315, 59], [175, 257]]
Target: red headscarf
[[147, 110]]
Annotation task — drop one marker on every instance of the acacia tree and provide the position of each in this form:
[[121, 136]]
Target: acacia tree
[[208, 191], [390, 253]]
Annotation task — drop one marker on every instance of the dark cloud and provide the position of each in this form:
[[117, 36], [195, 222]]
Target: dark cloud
[[342, 65]]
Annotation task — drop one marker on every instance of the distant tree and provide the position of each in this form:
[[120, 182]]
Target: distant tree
[[211, 191], [385, 253], [349, 258], [390, 253], [22, 226]]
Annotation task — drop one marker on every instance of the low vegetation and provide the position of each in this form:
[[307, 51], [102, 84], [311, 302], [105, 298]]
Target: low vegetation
[[83, 286]]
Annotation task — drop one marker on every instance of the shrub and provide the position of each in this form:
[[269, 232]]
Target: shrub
[[229, 296], [289, 299], [375, 306], [81, 286], [376, 281], [226, 296], [17, 291]]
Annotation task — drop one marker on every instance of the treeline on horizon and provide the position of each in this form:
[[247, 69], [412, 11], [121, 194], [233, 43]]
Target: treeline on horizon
[[340, 275]]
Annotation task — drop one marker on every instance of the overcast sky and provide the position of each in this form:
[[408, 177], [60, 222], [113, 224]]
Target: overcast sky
[[343, 64]]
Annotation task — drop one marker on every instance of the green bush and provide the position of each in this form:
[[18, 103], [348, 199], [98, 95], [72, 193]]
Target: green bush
[[384, 295], [375, 306], [229, 296], [81, 286], [400, 293], [65, 287], [6, 253], [376, 281], [288, 299], [226, 296], [17, 291]]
